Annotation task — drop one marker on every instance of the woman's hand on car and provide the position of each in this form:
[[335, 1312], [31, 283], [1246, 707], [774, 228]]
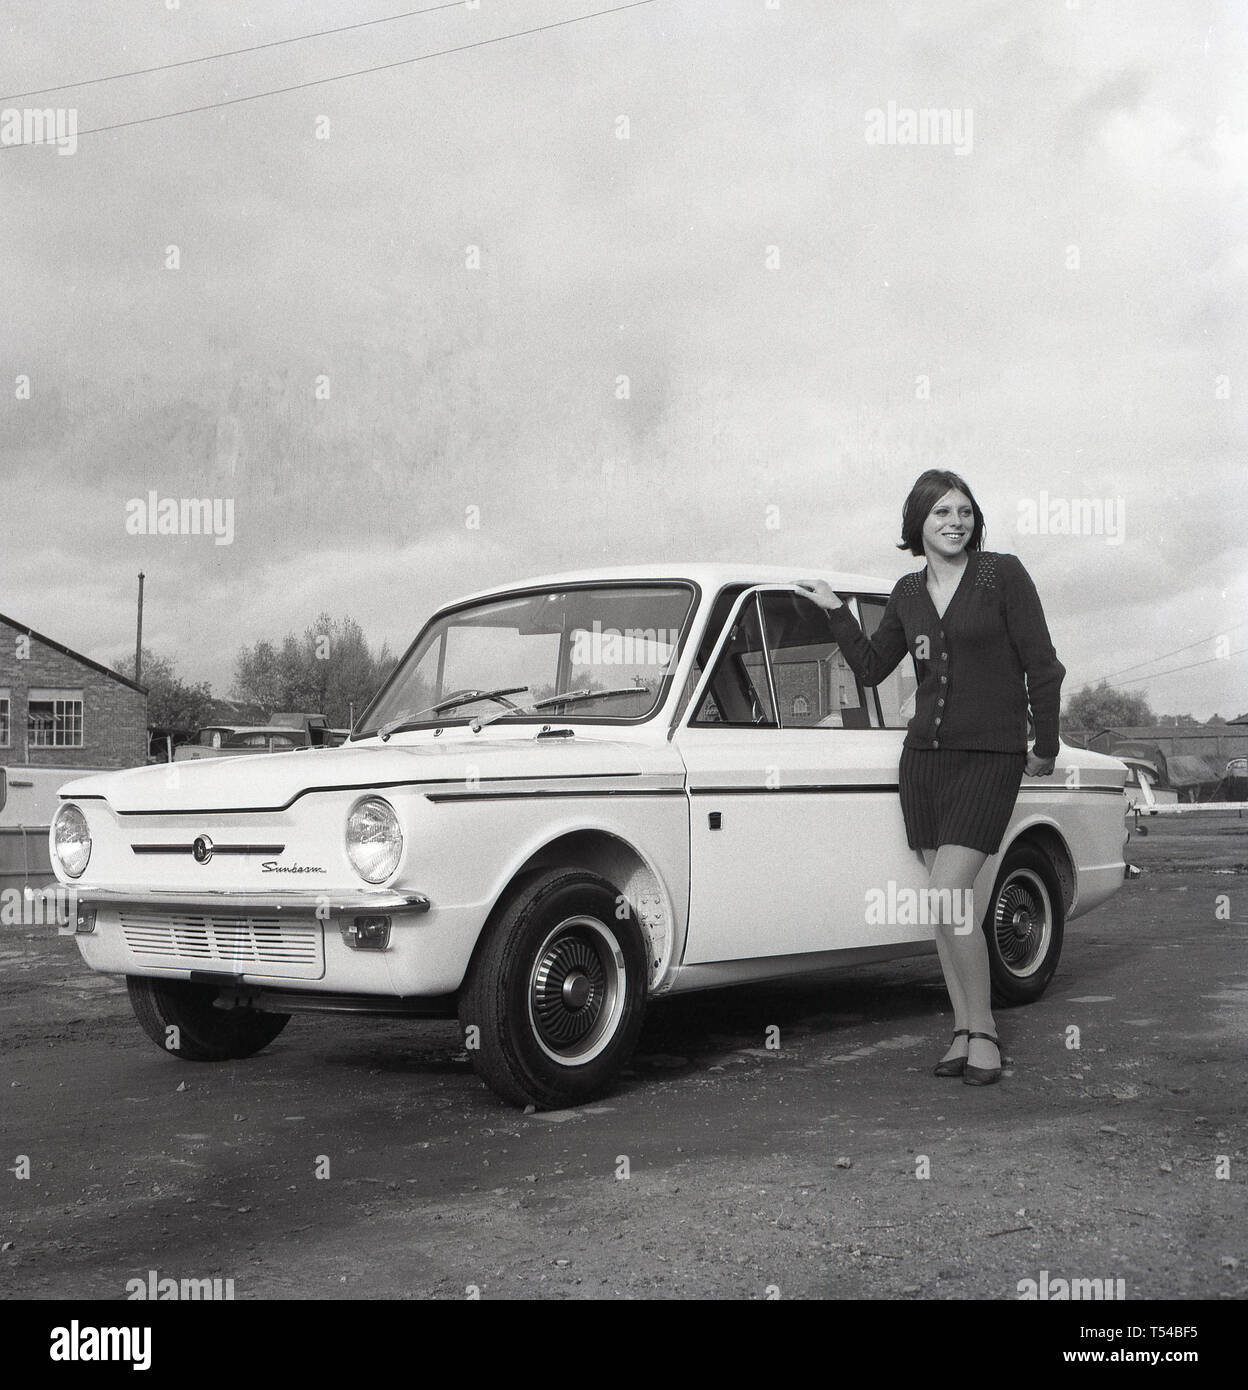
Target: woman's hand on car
[[822, 593], [1039, 767]]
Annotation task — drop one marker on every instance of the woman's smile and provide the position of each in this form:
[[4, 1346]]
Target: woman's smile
[[949, 525]]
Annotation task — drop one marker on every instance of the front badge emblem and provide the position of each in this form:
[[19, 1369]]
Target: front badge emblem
[[202, 849]]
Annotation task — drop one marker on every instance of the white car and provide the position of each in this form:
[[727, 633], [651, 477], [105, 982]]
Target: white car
[[571, 795]]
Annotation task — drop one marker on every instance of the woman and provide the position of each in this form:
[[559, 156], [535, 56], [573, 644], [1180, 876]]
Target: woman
[[974, 625]]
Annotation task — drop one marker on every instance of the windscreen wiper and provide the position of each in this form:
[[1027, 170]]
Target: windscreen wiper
[[478, 724], [411, 719]]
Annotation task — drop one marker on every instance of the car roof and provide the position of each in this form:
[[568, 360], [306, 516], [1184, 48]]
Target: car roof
[[274, 729], [709, 575]]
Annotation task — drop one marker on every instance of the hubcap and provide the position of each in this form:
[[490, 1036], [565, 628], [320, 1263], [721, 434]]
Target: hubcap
[[1022, 922], [576, 990]]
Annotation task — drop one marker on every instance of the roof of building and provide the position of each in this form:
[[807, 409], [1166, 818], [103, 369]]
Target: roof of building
[[69, 651]]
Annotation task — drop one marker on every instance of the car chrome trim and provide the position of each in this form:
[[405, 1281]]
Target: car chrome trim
[[216, 849], [1053, 790], [458, 781], [760, 969], [642, 784], [777, 719], [345, 787], [214, 899], [544, 792], [712, 790]]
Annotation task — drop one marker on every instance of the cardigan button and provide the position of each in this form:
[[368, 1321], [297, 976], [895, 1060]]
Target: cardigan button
[[944, 656]]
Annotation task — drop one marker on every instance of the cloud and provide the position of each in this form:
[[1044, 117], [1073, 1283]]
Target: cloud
[[325, 357]]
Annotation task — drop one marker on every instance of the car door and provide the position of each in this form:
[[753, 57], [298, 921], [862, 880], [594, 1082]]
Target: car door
[[796, 837]]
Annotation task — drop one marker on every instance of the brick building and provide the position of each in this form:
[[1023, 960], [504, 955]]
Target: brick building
[[59, 708]]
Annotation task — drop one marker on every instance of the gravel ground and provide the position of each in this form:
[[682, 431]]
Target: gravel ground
[[720, 1168]]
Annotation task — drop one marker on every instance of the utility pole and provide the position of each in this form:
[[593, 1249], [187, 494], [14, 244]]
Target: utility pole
[[138, 637]]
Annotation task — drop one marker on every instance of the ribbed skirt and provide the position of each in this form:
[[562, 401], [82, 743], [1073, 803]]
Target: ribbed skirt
[[958, 796]]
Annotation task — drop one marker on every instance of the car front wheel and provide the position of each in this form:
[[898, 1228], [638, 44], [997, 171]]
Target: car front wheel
[[181, 1019], [555, 995], [1024, 926]]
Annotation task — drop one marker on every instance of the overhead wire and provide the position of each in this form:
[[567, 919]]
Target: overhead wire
[[233, 52], [1198, 643], [344, 76], [1191, 666]]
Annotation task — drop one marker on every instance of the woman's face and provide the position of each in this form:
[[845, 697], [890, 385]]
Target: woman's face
[[949, 525]]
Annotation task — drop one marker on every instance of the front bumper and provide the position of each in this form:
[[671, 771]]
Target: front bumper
[[301, 901], [282, 939]]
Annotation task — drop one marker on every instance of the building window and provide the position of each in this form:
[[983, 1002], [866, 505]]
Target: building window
[[54, 719], [4, 718]]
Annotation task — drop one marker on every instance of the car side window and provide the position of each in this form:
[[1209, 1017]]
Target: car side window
[[723, 605], [739, 693], [815, 687], [893, 702]]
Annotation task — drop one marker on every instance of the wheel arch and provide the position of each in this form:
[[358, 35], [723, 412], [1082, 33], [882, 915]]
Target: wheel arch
[[610, 856], [1046, 836]]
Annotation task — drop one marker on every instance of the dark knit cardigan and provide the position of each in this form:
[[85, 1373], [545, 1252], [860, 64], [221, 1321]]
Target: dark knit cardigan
[[978, 667]]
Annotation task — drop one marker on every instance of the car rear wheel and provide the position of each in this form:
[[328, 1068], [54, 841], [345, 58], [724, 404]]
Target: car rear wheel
[[555, 995], [181, 1019], [1024, 926]]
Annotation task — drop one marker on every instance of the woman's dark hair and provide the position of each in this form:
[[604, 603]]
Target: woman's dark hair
[[928, 489]]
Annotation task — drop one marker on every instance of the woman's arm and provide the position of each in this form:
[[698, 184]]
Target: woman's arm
[[1029, 635], [872, 658]]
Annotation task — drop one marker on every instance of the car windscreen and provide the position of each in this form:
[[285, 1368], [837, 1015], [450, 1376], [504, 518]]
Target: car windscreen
[[622, 640]]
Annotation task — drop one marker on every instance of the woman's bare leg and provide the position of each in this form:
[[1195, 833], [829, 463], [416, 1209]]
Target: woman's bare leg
[[962, 949], [957, 995]]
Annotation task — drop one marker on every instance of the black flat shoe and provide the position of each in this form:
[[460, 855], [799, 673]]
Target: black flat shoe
[[980, 1076], [955, 1065]]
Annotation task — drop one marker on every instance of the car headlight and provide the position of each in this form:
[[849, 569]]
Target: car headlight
[[71, 840], [374, 839]]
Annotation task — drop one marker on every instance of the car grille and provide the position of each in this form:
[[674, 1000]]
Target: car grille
[[250, 943]]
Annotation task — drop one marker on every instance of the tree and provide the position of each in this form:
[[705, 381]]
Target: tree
[[171, 702], [257, 677], [1103, 707], [326, 670]]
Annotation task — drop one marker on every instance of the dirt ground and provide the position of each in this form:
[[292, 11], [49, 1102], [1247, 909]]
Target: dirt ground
[[719, 1168]]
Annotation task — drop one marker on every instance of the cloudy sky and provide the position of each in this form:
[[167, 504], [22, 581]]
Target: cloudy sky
[[667, 282]]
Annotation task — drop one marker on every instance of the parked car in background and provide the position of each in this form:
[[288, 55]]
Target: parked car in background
[[572, 795], [313, 729], [28, 801], [283, 733], [220, 742]]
